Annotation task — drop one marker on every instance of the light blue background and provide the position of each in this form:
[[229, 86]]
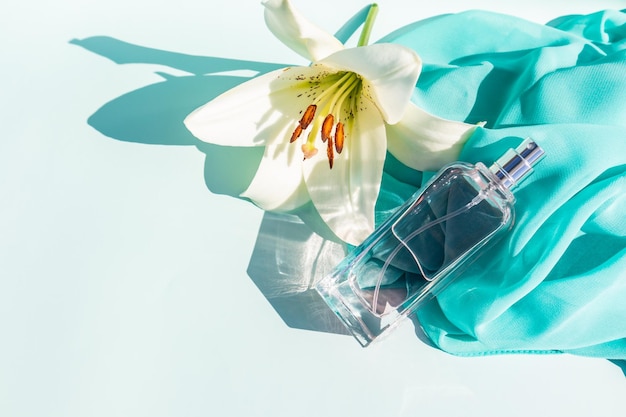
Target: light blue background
[[127, 288]]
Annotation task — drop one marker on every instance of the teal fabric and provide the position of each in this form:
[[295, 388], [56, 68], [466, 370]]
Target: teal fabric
[[557, 282]]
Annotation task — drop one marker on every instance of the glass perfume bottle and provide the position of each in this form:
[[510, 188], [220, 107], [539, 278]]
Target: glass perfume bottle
[[423, 246]]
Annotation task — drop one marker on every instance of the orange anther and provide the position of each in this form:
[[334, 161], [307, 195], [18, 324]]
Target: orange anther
[[327, 127], [307, 117], [329, 152], [339, 137], [296, 134]]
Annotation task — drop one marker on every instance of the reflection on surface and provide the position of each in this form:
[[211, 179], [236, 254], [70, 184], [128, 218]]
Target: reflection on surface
[[287, 261]]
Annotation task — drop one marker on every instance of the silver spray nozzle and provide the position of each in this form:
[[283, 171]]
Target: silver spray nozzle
[[516, 163]]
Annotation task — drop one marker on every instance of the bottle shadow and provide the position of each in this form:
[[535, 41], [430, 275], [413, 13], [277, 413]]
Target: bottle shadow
[[288, 260], [288, 257]]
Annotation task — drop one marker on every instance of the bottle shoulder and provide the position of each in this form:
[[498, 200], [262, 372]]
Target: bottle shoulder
[[478, 176]]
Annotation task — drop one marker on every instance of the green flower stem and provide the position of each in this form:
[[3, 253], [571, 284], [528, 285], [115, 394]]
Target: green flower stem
[[367, 26]]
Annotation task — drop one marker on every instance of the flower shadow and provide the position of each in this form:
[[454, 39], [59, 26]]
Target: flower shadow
[[154, 114], [288, 257]]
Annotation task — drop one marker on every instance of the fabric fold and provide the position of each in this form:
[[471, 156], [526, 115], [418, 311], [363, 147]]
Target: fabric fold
[[557, 283]]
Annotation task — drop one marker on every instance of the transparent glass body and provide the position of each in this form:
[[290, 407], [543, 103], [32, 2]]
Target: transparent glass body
[[419, 249]]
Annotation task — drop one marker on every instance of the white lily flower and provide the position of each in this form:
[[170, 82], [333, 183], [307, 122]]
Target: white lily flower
[[348, 101]]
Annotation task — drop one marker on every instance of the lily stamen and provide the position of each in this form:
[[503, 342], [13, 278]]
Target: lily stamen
[[327, 127], [337, 104], [339, 137], [334, 86], [296, 134], [329, 152], [308, 115]]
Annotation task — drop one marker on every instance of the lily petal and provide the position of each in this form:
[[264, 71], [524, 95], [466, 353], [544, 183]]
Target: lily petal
[[249, 114], [278, 184], [426, 142], [345, 196], [389, 72], [302, 36], [232, 118]]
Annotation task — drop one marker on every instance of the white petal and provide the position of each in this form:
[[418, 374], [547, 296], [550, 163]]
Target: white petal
[[249, 114], [305, 38], [345, 196], [278, 184], [232, 118], [389, 72], [426, 142]]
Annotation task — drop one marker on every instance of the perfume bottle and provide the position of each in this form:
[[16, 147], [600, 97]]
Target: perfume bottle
[[424, 245]]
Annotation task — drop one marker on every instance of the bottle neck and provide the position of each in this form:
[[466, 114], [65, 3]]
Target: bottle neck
[[516, 164]]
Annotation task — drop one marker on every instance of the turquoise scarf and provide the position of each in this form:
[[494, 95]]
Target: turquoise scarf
[[557, 283]]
